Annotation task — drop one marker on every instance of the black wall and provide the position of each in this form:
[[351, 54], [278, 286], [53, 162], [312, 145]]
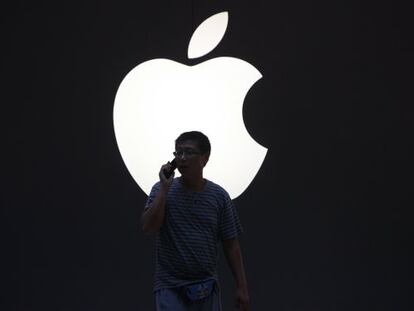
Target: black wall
[[325, 220]]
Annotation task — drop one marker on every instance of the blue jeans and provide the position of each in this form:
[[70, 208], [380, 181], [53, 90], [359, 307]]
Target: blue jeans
[[172, 299]]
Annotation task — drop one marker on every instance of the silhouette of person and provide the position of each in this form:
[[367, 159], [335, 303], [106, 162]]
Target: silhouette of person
[[190, 215]]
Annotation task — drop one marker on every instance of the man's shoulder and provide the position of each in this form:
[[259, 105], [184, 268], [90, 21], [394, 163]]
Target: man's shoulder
[[173, 190], [217, 189], [157, 185], [214, 186]]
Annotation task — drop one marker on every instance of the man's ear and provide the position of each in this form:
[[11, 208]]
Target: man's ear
[[205, 158]]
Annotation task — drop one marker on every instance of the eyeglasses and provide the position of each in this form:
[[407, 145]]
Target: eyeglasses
[[188, 153]]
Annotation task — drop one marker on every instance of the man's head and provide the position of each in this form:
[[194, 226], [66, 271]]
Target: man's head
[[201, 140], [192, 151]]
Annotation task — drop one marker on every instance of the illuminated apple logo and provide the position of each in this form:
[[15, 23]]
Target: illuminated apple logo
[[160, 98]]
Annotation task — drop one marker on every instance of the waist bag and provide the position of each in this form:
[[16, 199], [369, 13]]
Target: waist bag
[[198, 291]]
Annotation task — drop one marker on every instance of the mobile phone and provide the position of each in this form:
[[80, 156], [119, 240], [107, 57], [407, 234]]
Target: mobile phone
[[168, 173]]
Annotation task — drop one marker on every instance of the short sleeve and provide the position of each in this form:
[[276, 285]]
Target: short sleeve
[[152, 195], [230, 226]]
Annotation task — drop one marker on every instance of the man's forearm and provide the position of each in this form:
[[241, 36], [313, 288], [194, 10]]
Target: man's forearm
[[153, 217], [235, 261]]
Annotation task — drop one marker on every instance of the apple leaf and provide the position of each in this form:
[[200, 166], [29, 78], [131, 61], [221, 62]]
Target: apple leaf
[[207, 35]]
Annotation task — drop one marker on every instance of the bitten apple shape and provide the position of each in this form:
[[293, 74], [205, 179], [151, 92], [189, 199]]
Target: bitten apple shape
[[160, 98]]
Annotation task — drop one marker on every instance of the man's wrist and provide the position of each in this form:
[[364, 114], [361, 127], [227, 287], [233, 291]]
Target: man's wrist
[[241, 285], [164, 189]]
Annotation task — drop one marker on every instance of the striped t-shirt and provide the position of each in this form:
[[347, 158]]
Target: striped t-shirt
[[194, 223]]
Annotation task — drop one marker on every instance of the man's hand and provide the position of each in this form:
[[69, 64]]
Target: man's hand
[[242, 298], [166, 182], [153, 217]]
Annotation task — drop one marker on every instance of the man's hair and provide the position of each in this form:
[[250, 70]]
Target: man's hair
[[199, 138]]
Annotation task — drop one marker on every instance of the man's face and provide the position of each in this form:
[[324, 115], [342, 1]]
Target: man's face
[[190, 161]]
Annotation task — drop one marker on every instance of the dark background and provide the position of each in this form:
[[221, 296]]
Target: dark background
[[326, 219]]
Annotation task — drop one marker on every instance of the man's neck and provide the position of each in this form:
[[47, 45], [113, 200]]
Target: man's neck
[[193, 183]]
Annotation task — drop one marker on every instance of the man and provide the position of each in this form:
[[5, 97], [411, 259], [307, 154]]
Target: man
[[190, 215]]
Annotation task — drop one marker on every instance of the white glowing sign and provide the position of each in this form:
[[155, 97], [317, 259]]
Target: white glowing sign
[[160, 98]]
